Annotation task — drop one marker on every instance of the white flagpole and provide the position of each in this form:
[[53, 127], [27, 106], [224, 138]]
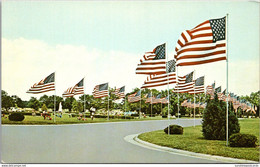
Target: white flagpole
[[226, 28], [108, 102], [168, 90], [140, 103], [55, 97], [194, 100], [84, 99], [177, 92], [151, 103]]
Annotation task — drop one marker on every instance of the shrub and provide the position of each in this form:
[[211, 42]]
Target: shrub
[[242, 140], [135, 115], [16, 117], [214, 120], [174, 129], [164, 116]]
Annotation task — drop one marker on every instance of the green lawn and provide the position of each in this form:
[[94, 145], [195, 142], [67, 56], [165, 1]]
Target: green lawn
[[192, 140], [38, 120]]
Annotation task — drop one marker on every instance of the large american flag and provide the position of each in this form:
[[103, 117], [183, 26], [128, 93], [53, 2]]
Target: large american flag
[[120, 92], [165, 100], [169, 77], [205, 43], [185, 84], [199, 86], [78, 89], [135, 97], [153, 62], [100, 90], [45, 85]]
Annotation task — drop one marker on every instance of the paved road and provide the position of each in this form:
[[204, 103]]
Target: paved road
[[86, 143]]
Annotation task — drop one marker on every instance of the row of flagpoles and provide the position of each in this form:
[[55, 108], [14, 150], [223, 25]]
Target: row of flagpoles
[[205, 43]]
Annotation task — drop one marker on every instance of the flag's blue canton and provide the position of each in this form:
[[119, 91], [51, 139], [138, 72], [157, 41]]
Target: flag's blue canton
[[218, 89], [199, 81], [158, 96], [138, 93], [103, 87], [213, 85], [170, 66], [188, 100], [189, 77], [159, 51], [80, 83], [224, 92], [49, 79], [149, 95], [122, 89], [218, 27]]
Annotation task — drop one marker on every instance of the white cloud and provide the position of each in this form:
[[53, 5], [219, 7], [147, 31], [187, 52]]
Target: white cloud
[[25, 62]]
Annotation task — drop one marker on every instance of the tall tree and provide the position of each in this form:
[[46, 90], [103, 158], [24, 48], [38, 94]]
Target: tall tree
[[7, 101], [34, 103], [67, 104]]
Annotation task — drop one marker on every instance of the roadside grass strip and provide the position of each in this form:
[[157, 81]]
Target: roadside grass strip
[[39, 120], [193, 140]]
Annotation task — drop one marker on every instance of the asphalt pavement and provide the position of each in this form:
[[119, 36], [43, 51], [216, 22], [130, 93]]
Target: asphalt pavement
[[86, 143]]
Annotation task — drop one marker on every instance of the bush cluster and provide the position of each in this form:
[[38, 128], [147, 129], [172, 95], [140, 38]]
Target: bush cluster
[[16, 117], [174, 129], [164, 116], [214, 121], [242, 140]]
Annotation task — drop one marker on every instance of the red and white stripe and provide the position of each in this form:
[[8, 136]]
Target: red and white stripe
[[160, 80], [183, 87], [197, 90], [150, 66], [41, 87], [196, 46], [132, 98], [99, 94], [119, 94], [69, 92]]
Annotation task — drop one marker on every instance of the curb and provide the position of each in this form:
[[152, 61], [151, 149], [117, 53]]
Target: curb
[[135, 140]]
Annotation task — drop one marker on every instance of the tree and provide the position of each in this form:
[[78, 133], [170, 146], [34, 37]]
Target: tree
[[67, 104], [214, 120], [18, 101], [77, 106], [7, 101], [34, 103], [44, 107]]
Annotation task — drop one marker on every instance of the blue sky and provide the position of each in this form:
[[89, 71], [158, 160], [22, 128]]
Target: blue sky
[[113, 36]]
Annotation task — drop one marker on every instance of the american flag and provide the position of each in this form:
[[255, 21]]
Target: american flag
[[210, 90], [165, 100], [153, 62], [205, 43], [223, 96], [135, 97], [150, 98], [120, 92], [157, 99], [199, 86], [169, 77], [184, 103], [100, 90], [78, 89], [185, 84], [45, 85]]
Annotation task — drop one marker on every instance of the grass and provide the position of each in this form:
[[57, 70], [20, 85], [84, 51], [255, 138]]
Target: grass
[[193, 140], [38, 120]]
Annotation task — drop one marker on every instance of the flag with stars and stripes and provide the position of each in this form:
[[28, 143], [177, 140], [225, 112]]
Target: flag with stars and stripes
[[150, 98], [210, 90], [45, 85], [205, 43], [169, 77], [157, 99], [153, 62], [185, 84], [78, 89], [165, 100], [100, 90], [135, 97], [198, 87], [120, 92]]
